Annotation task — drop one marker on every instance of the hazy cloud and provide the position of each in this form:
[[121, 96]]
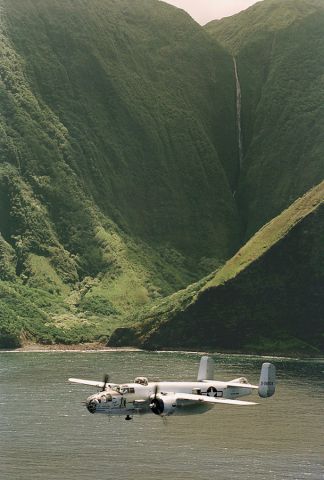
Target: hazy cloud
[[205, 10]]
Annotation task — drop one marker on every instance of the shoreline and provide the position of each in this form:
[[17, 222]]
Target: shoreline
[[77, 347], [97, 347]]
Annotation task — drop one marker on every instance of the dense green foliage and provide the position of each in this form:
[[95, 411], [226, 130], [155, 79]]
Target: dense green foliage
[[279, 47], [142, 132], [270, 294], [117, 149], [120, 180]]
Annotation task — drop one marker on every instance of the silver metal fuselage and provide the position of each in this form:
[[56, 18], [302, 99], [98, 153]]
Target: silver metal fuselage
[[134, 398]]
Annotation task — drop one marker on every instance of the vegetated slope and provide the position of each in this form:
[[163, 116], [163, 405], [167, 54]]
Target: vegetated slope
[[142, 92], [267, 298], [117, 150], [279, 49]]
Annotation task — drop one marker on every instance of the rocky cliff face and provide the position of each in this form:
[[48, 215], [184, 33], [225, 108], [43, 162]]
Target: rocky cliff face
[[122, 175], [117, 150], [267, 298], [278, 46]]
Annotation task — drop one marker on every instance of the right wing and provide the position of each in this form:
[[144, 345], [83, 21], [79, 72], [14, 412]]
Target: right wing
[[205, 399]]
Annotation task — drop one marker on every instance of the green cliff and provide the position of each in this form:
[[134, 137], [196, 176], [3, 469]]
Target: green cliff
[[279, 50], [268, 298], [121, 182], [117, 150]]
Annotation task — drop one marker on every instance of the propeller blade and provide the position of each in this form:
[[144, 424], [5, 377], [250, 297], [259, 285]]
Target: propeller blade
[[105, 381], [156, 404], [155, 391], [153, 396]]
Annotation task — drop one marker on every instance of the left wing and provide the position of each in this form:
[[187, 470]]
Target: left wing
[[93, 383], [206, 399]]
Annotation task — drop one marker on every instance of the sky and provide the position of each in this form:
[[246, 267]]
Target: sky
[[205, 10]]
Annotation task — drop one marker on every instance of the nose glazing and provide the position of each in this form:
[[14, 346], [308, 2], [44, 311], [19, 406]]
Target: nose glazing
[[91, 404]]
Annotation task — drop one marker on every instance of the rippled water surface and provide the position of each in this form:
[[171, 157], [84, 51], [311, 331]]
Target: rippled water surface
[[45, 432]]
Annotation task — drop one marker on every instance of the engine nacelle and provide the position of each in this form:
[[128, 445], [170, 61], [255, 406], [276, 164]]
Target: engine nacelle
[[164, 405]]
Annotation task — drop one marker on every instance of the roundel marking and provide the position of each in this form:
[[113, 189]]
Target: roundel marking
[[212, 392]]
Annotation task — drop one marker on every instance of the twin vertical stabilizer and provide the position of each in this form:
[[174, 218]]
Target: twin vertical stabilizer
[[267, 383], [206, 369]]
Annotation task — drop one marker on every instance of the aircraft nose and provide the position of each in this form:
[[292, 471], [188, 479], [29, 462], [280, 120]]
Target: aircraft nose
[[92, 404]]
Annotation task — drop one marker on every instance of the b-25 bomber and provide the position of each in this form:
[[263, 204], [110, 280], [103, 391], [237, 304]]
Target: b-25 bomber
[[175, 398]]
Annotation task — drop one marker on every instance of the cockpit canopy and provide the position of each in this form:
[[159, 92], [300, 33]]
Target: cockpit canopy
[[141, 381]]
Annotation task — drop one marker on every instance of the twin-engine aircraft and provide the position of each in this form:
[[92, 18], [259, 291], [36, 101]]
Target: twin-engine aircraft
[[175, 398]]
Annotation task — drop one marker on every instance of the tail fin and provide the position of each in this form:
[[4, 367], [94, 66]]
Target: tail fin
[[267, 383], [206, 369]]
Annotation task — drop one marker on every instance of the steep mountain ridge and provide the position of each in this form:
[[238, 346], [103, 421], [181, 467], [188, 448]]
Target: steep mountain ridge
[[113, 158], [128, 113], [269, 294], [278, 47], [120, 176], [258, 21]]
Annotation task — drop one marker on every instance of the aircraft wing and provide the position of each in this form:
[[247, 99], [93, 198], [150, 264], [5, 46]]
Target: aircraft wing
[[206, 399], [87, 382], [241, 385]]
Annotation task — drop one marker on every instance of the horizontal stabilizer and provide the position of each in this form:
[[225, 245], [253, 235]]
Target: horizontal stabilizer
[[241, 385]]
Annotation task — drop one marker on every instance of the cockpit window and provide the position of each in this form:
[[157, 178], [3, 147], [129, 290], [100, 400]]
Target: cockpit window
[[124, 389]]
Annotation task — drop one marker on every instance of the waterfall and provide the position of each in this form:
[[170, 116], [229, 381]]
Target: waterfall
[[238, 113]]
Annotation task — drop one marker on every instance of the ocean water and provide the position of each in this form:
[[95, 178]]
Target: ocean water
[[46, 433]]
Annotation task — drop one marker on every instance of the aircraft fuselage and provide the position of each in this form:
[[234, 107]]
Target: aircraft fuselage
[[133, 398]]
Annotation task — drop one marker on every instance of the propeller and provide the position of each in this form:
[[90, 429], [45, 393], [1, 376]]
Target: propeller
[[156, 387], [156, 404], [105, 382]]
